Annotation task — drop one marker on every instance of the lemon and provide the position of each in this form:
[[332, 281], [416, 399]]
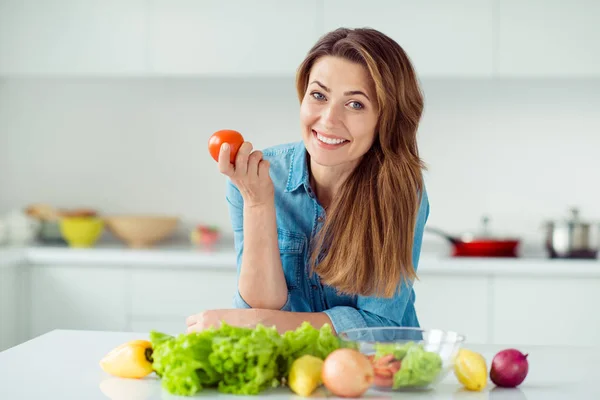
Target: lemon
[[305, 375], [471, 370]]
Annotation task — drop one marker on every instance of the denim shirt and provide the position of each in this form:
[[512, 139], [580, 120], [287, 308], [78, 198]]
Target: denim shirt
[[299, 217]]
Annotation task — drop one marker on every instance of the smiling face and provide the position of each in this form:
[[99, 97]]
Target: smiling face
[[338, 113]]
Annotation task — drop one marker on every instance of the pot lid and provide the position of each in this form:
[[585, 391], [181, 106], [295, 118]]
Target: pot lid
[[484, 233], [574, 219]]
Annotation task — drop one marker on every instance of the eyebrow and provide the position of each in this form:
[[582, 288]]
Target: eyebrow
[[348, 93]]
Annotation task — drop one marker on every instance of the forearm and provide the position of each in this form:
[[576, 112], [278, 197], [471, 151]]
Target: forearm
[[288, 321], [261, 282]]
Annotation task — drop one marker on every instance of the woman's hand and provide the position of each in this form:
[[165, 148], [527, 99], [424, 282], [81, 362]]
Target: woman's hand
[[247, 318], [250, 317], [250, 174]]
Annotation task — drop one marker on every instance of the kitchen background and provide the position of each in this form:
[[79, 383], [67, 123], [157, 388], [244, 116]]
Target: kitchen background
[[519, 150], [109, 106]]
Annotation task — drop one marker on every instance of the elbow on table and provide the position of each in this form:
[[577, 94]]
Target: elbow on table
[[262, 302]]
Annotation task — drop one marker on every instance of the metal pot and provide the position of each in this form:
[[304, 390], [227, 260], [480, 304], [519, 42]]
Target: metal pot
[[572, 238], [482, 244]]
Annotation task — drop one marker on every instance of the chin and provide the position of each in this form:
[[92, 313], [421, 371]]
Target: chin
[[325, 161]]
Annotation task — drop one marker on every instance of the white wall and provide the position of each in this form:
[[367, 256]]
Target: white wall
[[521, 151]]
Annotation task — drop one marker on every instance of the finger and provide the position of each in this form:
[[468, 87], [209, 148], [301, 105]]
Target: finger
[[191, 320], [253, 161], [263, 169], [199, 326], [241, 160], [225, 166]]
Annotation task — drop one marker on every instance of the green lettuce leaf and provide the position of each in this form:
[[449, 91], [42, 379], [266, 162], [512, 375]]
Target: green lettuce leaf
[[235, 360], [177, 359], [306, 339], [182, 381], [398, 350], [419, 368], [247, 359], [158, 338]]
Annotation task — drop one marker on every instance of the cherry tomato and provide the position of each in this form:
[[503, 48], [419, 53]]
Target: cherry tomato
[[233, 138]]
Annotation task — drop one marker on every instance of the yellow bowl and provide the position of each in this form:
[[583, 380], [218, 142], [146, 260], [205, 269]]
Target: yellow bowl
[[81, 231]]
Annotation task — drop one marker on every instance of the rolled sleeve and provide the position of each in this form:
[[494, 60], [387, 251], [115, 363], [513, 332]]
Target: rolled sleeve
[[239, 302], [344, 318], [371, 312], [377, 312]]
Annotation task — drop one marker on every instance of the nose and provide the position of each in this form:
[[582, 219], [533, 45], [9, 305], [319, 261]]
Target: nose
[[330, 115]]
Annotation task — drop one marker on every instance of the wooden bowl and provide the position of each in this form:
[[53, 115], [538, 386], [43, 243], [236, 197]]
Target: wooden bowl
[[141, 231]]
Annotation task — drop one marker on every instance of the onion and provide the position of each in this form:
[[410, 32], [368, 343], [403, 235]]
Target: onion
[[509, 368], [347, 373]]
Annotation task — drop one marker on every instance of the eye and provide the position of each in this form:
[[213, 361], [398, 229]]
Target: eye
[[355, 105], [317, 95]]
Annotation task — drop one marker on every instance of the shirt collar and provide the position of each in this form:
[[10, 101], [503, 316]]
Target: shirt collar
[[298, 173]]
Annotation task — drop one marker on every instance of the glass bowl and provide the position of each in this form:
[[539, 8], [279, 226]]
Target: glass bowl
[[406, 358]]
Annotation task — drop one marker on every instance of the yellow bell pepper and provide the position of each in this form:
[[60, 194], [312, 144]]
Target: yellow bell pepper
[[129, 360]]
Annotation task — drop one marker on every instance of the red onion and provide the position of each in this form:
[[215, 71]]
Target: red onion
[[509, 368]]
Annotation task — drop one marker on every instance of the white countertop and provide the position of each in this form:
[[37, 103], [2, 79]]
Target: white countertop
[[64, 365], [223, 256]]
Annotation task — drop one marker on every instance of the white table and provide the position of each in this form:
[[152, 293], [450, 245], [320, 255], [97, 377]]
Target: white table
[[64, 365]]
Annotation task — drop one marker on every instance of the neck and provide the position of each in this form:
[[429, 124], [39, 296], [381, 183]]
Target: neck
[[326, 181]]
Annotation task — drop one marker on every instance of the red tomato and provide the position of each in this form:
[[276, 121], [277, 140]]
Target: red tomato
[[233, 138]]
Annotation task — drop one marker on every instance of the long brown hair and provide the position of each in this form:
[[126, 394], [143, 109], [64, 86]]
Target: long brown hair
[[365, 245]]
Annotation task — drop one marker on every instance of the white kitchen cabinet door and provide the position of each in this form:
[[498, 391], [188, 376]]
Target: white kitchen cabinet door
[[180, 292], [546, 311], [456, 303], [9, 299], [231, 37], [78, 297], [72, 37], [442, 38], [548, 38]]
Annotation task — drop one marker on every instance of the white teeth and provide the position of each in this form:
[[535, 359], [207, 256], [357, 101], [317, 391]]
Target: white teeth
[[328, 140]]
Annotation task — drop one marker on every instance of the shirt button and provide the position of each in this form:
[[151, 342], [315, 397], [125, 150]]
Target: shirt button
[[320, 219], [314, 287]]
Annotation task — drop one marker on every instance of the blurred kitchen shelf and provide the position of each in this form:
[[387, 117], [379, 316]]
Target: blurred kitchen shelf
[[175, 255], [223, 256]]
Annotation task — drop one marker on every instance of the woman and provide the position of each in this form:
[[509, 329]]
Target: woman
[[329, 229]]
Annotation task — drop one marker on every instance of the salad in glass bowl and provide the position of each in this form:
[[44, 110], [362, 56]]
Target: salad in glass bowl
[[406, 358]]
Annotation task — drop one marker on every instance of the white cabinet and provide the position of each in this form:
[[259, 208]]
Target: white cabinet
[[9, 305], [546, 311], [78, 297], [124, 298], [460, 38], [487, 306], [14, 296], [442, 38], [176, 293], [458, 303], [72, 37], [548, 38], [231, 37]]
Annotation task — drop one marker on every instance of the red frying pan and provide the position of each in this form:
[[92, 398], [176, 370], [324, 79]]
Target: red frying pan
[[473, 246]]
